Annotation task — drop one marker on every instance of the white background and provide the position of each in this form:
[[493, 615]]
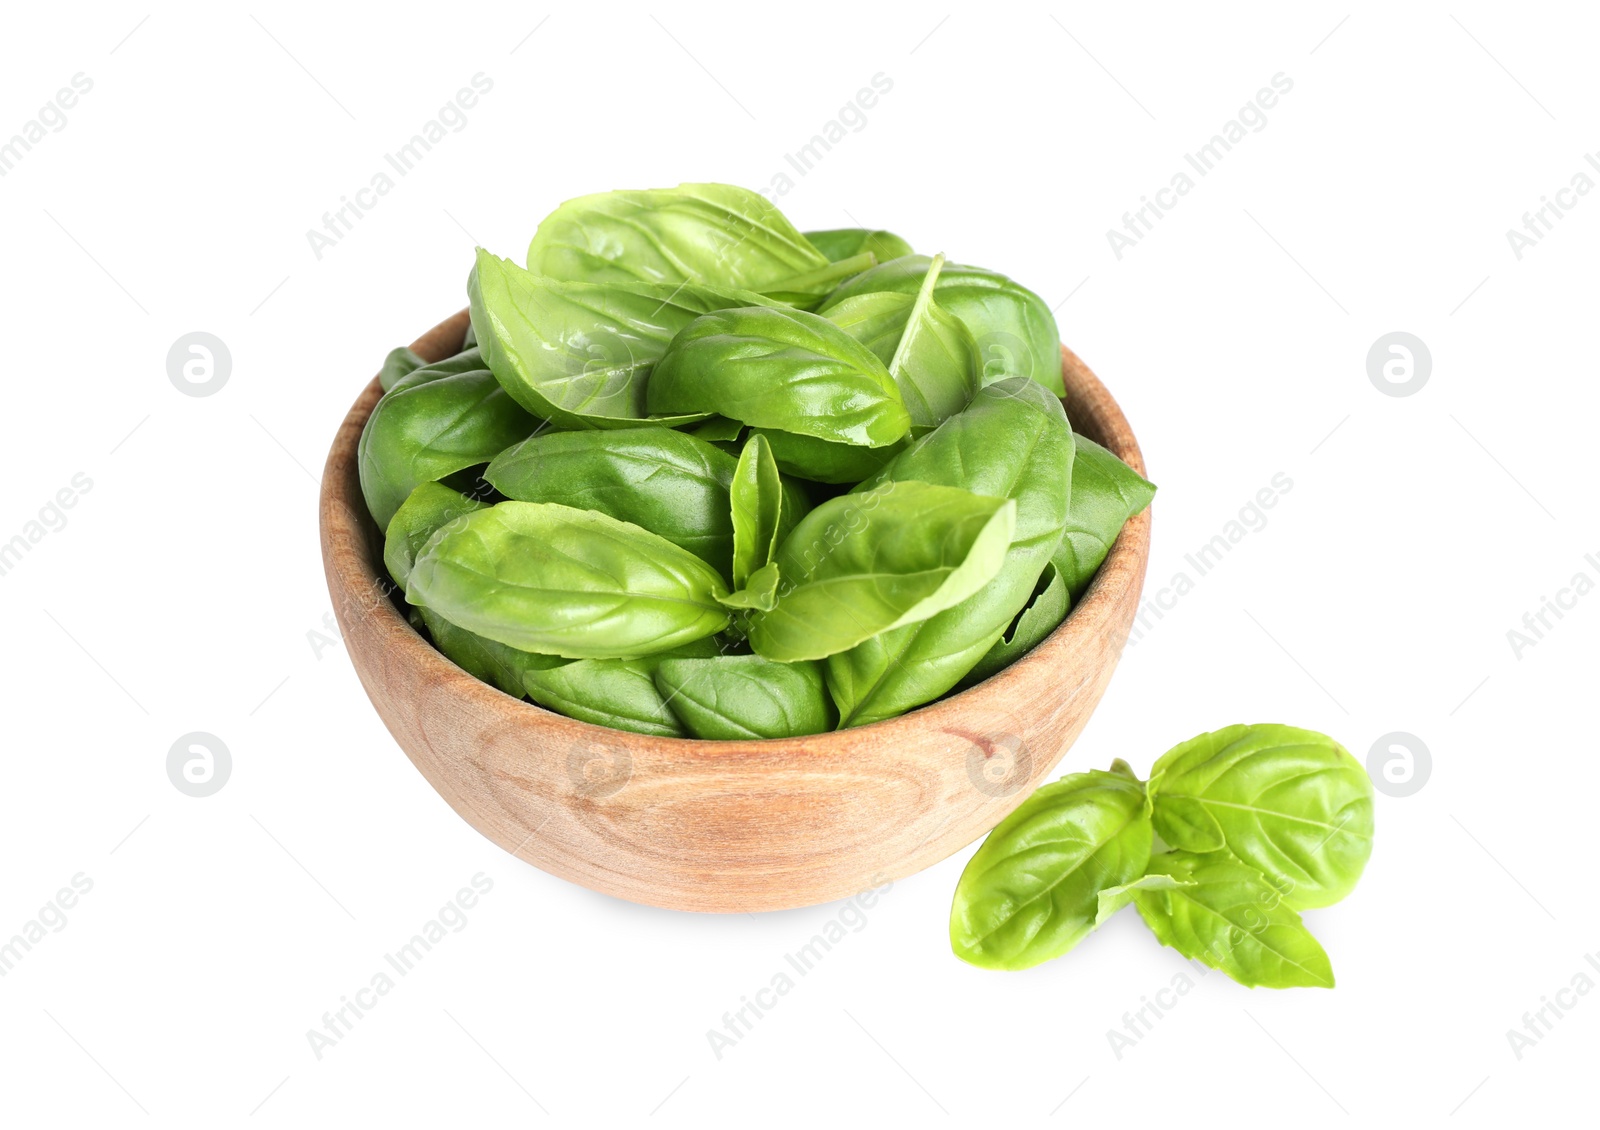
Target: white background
[[180, 593]]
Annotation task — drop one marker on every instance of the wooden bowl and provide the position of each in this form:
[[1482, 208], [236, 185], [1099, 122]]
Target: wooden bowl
[[727, 826]]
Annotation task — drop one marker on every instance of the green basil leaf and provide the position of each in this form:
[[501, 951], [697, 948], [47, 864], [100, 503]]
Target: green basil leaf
[[399, 362], [620, 693], [809, 288], [1032, 891], [760, 591], [698, 233], [844, 243], [1012, 441], [580, 354], [543, 577], [718, 429], [739, 697], [1106, 492], [1014, 328], [668, 482], [930, 353], [862, 564], [1113, 899], [1227, 915], [756, 495], [1043, 614], [1291, 803], [436, 420], [505, 668], [425, 511], [823, 461], [773, 367]]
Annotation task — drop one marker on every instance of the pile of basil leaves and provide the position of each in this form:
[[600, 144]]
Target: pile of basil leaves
[[699, 474]]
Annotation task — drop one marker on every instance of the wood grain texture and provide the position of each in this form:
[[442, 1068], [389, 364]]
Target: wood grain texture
[[727, 826]]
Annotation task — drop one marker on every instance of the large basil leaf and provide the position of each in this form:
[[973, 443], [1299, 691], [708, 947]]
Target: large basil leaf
[[862, 564], [436, 420], [397, 364], [620, 693], [845, 243], [929, 351], [669, 482], [1032, 891], [1291, 803], [543, 577], [1226, 914], [738, 697], [823, 461], [699, 233], [1106, 492], [756, 498], [579, 354], [779, 368], [1015, 331], [1043, 614], [1012, 441]]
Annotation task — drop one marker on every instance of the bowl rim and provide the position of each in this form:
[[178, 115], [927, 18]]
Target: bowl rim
[[352, 549]]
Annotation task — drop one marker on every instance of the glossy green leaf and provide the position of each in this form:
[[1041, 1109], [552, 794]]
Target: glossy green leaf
[[757, 509], [759, 593], [397, 364], [739, 697], [666, 481], [620, 693], [436, 420], [863, 564], [1012, 441], [1113, 899], [1226, 914], [505, 668], [845, 243], [428, 508], [1106, 492], [580, 354], [717, 429], [543, 577], [1291, 803], [780, 368], [1042, 616], [1015, 331], [699, 233], [808, 288], [823, 461], [930, 353], [1032, 891]]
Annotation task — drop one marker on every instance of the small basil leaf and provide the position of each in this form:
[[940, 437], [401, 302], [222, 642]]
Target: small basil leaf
[[1106, 492], [620, 693], [1113, 899], [1032, 891], [760, 591], [666, 481], [823, 461], [756, 495], [1226, 914], [718, 429], [399, 362], [425, 511], [863, 564], [543, 577], [738, 697], [1291, 803], [494, 663], [780, 368], [1041, 617], [435, 421], [842, 243], [580, 353]]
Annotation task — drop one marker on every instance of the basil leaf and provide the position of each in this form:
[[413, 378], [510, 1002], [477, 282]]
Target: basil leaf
[[1106, 492], [1015, 331], [808, 288], [1042, 616], [1227, 915], [543, 577], [668, 482], [756, 496], [397, 364], [779, 368], [620, 693], [505, 668], [718, 429], [928, 350], [427, 509], [739, 697], [843, 243], [1291, 803], [1012, 441], [862, 564], [1032, 891], [823, 461], [435, 421], [579, 354], [1113, 899], [698, 233], [760, 591]]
